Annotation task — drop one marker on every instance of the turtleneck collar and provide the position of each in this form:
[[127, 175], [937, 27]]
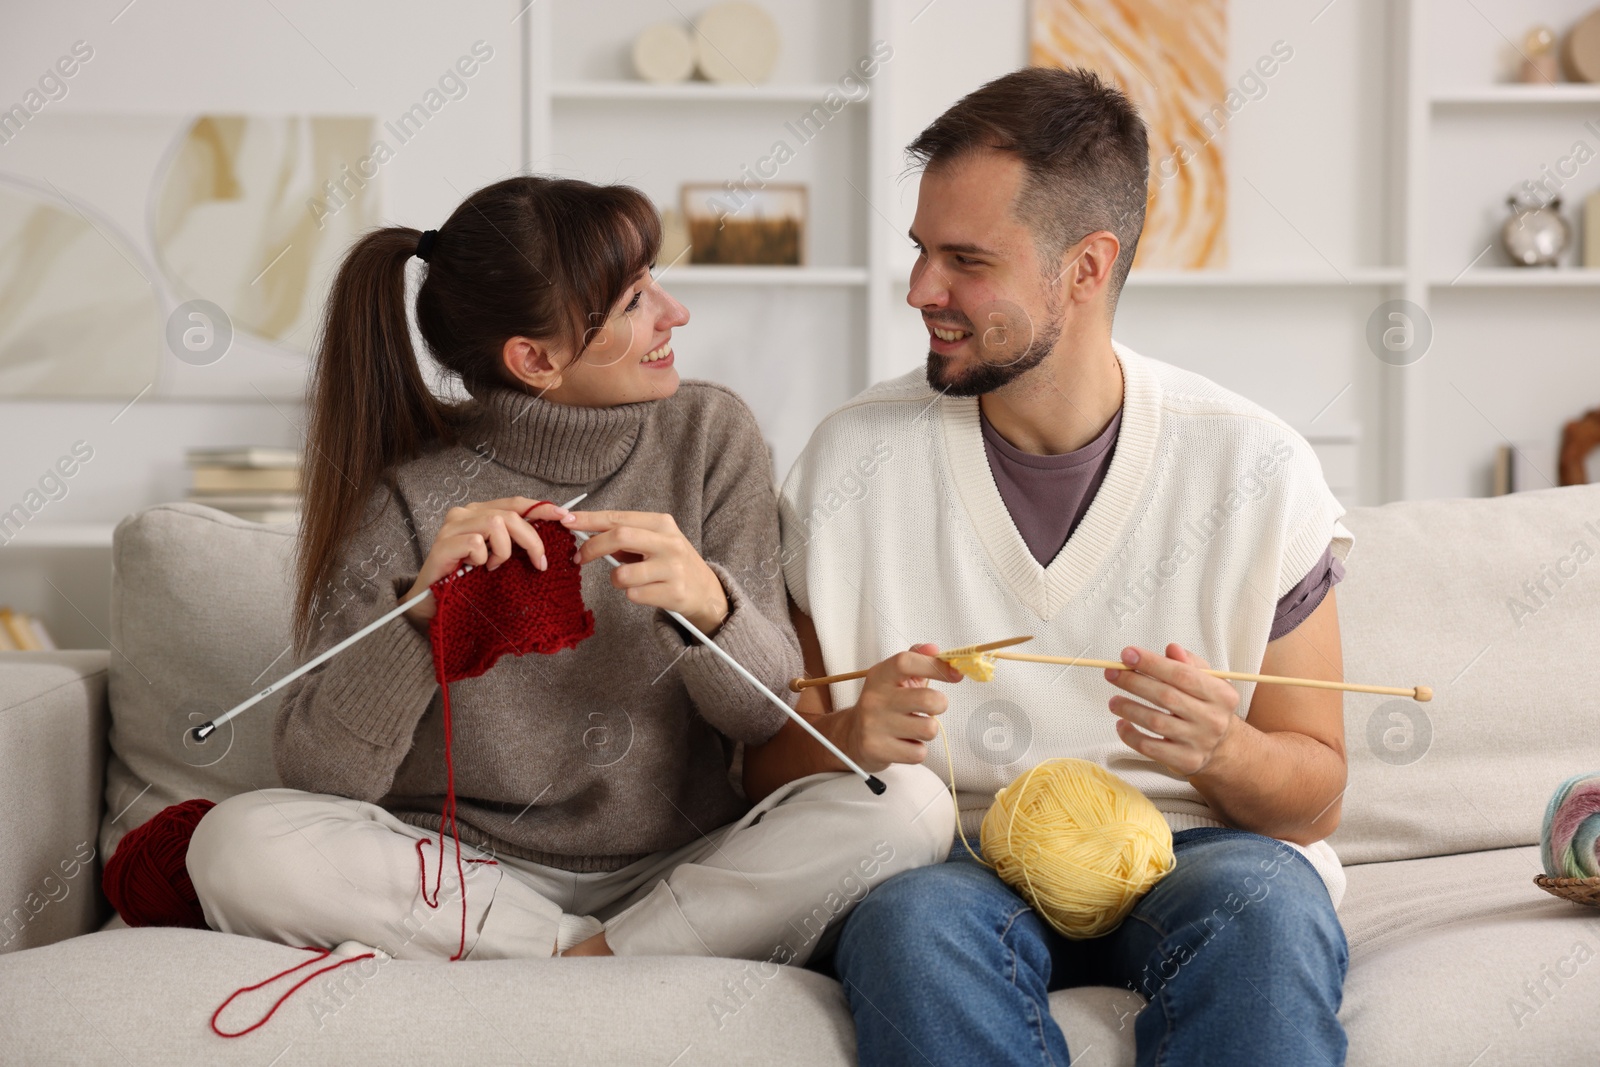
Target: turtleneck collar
[[560, 443]]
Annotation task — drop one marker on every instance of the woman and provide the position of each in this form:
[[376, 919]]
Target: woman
[[596, 806]]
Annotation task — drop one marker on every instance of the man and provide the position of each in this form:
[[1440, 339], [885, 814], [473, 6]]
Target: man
[[1046, 480]]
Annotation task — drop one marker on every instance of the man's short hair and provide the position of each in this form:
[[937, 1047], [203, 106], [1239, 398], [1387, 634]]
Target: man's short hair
[[1082, 144]]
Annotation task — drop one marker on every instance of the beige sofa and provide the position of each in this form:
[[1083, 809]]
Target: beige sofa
[[1457, 958]]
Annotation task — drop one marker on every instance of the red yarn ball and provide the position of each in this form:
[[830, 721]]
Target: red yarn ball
[[146, 879]]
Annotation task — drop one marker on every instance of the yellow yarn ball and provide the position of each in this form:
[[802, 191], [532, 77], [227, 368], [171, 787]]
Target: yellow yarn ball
[[1077, 843]]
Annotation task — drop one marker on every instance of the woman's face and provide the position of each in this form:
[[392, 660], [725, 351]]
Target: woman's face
[[628, 357]]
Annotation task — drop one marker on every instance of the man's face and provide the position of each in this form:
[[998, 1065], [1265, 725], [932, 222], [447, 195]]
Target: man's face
[[990, 313]]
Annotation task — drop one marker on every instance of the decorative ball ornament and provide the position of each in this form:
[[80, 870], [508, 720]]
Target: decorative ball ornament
[[736, 43], [1580, 51], [663, 54]]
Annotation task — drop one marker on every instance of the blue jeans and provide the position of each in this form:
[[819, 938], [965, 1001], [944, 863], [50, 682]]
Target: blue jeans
[[1237, 951]]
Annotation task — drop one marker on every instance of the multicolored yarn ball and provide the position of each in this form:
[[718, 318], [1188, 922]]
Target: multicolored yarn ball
[[146, 878], [1569, 843], [1078, 843]]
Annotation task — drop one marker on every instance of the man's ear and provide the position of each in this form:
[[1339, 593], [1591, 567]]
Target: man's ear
[[1085, 272], [532, 362]]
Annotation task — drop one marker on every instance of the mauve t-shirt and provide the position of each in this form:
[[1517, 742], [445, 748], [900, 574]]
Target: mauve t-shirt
[[1048, 495]]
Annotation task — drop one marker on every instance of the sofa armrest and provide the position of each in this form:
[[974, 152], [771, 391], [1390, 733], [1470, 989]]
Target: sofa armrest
[[54, 717]]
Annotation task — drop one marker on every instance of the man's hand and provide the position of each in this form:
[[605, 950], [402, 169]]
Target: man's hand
[[892, 721], [1194, 714]]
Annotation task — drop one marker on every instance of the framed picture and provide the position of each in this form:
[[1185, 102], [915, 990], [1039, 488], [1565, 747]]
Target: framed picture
[[745, 226], [210, 236]]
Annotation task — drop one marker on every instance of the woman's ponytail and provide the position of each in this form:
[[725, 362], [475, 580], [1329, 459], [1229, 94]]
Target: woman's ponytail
[[369, 409]]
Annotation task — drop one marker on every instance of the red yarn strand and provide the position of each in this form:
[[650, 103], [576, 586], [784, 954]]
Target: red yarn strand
[[543, 612], [322, 954]]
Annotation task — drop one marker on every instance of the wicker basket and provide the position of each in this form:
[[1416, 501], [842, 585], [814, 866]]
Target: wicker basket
[[1577, 890]]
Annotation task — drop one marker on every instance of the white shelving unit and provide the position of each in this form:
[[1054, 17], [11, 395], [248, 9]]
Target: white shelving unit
[[713, 275], [1517, 96], [687, 92], [63, 535], [1436, 148], [1466, 140], [1522, 278], [1200, 279], [817, 325]]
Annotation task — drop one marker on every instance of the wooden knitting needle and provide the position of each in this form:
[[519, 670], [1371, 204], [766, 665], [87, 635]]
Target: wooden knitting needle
[[800, 685], [1419, 693], [206, 729]]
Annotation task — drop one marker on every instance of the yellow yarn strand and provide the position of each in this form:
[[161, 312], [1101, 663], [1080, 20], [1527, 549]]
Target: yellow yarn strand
[[1075, 841]]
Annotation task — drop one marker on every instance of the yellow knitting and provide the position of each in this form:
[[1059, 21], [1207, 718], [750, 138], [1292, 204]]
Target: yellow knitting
[[979, 666]]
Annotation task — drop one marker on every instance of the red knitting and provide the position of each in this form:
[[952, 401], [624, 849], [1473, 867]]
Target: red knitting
[[483, 615]]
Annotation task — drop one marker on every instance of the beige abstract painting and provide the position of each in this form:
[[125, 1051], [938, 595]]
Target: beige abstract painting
[[76, 315], [1168, 56], [109, 224], [233, 218]]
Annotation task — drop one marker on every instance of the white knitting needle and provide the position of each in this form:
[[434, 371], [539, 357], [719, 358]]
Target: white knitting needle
[[206, 729], [873, 782]]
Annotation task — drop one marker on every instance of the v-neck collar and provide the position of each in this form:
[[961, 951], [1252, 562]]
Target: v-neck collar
[[1044, 589]]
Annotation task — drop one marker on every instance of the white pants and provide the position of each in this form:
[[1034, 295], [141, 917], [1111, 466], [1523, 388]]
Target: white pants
[[317, 870]]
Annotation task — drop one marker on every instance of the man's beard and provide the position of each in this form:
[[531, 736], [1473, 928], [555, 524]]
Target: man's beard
[[985, 376]]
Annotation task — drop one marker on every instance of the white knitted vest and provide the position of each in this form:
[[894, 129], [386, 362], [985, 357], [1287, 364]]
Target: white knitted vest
[[894, 532]]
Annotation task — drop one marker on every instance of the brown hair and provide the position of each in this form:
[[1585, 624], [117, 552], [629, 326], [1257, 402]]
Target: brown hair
[[544, 258], [1083, 146]]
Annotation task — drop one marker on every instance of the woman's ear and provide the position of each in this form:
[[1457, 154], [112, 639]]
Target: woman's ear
[[531, 361]]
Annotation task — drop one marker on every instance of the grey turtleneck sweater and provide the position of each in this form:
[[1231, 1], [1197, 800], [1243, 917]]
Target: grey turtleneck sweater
[[596, 756]]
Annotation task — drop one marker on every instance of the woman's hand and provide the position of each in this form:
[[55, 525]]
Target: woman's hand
[[480, 534], [1193, 713], [660, 568]]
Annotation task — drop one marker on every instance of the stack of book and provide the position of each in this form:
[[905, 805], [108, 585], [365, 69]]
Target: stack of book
[[1524, 465], [21, 632], [254, 483]]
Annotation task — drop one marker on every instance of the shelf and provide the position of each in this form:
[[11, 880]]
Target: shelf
[[1521, 277], [762, 276], [64, 535], [1518, 95], [1257, 279], [685, 92]]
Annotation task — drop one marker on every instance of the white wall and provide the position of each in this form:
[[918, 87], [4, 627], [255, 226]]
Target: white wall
[[185, 56], [1311, 189]]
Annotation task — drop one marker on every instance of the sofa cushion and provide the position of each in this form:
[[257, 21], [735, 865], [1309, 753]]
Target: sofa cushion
[[1446, 593], [146, 996], [52, 772], [1449, 956], [1459, 960], [199, 621]]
